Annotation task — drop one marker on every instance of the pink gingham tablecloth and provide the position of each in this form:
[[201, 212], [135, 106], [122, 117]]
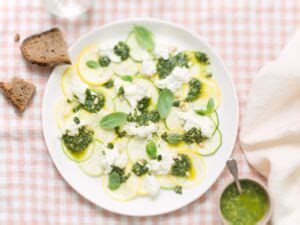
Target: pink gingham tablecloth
[[247, 34]]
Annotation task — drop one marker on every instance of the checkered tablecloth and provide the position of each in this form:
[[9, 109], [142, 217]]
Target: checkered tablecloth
[[247, 34]]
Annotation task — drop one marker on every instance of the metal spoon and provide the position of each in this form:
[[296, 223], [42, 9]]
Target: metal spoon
[[232, 166]]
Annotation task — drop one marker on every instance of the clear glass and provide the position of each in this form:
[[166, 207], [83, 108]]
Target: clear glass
[[68, 8]]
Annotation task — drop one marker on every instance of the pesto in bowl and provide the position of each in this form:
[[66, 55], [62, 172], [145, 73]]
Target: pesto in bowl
[[248, 208]]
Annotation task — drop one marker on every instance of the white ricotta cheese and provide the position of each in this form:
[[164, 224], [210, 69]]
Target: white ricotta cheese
[[191, 119], [141, 131], [133, 92], [78, 88], [151, 185], [163, 166], [148, 67], [112, 157], [175, 80], [163, 50]]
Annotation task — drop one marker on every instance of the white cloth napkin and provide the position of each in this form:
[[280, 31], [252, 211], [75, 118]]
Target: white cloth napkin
[[270, 133]]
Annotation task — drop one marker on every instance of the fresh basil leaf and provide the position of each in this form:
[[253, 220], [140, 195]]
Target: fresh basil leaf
[[92, 64], [126, 78], [165, 102], [210, 107], [151, 149], [113, 120], [144, 37], [114, 181], [174, 139]]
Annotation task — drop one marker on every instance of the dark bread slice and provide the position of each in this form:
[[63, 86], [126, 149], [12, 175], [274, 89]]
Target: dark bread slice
[[46, 49], [18, 91]]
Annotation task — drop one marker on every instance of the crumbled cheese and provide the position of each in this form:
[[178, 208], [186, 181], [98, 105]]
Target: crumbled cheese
[[163, 166], [162, 50], [141, 131], [133, 92], [112, 157], [107, 49], [71, 127], [151, 185], [148, 67], [175, 80], [191, 119], [78, 88]]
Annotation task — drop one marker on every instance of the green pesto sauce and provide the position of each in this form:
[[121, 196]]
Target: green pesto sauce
[[247, 208]]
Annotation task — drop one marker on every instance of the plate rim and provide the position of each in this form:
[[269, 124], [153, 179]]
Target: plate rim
[[141, 20]]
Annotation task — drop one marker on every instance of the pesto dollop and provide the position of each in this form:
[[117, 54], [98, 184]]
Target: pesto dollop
[[122, 50], [104, 61], [165, 67], [194, 90], [140, 168], [247, 208], [181, 166], [80, 141], [117, 177], [143, 118]]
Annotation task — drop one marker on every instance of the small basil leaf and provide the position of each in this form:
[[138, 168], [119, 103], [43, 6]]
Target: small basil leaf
[[92, 64], [210, 106], [144, 37], [174, 139], [113, 120], [165, 102], [126, 78], [151, 149], [114, 181]]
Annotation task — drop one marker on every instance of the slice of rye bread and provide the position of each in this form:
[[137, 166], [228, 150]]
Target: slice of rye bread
[[46, 49], [18, 91]]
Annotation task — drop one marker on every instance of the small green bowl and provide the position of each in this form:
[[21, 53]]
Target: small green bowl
[[268, 213]]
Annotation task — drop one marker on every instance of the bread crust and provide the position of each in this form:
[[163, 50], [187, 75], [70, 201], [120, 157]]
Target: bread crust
[[53, 49]]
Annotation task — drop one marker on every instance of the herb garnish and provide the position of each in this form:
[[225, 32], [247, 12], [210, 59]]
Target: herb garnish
[[172, 139], [122, 50], [110, 145], [202, 58], [92, 64], [76, 120], [144, 37], [143, 104], [113, 120], [151, 150], [104, 61], [126, 78], [165, 101], [178, 189], [119, 133], [194, 90], [80, 141], [142, 119], [140, 168], [121, 91], [116, 178], [210, 107], [109, 83], [182, 165], [176, 103]]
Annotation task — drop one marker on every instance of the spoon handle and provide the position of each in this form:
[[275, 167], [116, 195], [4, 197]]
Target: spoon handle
[[232, 166]]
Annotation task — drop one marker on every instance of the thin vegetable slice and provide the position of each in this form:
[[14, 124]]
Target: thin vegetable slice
[[137, 53], [197, 173], [211, 145], [92, 166], [92, 75], [126, 191]]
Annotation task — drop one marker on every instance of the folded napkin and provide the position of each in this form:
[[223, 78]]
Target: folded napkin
[[270, 133]]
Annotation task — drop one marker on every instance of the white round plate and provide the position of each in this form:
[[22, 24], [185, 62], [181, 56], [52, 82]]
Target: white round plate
[[167, 201]]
